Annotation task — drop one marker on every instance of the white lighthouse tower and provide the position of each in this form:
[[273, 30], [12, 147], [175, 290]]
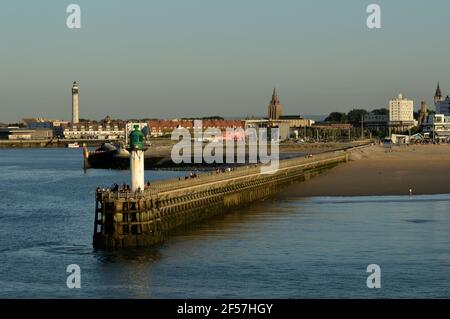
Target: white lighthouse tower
[[75, 116], [137, 149]]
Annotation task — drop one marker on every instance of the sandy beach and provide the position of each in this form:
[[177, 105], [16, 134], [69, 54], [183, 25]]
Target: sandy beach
[[378, 171]]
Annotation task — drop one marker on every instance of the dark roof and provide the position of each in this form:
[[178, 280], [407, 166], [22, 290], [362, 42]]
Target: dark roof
[[291, 117]]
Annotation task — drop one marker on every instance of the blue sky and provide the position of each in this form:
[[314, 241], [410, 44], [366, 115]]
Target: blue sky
[[173, 58]]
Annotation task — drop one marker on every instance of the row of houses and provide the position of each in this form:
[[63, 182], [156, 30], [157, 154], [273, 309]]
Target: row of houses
[[166, 127], [40, 128]]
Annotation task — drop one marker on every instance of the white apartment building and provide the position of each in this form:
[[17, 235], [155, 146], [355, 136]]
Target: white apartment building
[[401, 110], [86, 130], [401, 114]]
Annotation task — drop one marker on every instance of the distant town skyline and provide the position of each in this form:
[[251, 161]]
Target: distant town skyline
[[173, 59]]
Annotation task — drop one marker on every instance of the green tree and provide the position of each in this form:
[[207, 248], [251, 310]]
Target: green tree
[[355, 115], [336, 117], [382, 111]]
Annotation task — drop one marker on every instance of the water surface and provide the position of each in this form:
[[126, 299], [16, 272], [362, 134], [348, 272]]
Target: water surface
[[288, 248]]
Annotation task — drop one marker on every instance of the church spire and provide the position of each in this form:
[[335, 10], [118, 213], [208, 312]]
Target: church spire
[[438, 91], [438, 94], [275, 99], [274, 109]]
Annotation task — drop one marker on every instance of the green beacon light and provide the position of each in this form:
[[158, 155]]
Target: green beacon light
[[137, 139]]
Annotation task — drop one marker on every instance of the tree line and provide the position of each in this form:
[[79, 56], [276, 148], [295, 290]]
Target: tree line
[[354, 116]]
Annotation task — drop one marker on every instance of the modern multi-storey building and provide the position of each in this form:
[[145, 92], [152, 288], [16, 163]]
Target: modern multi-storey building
[[438, 126], [401, 113], [401, 109]]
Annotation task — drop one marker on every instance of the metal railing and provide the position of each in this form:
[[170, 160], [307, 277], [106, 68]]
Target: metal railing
[[213, 177]]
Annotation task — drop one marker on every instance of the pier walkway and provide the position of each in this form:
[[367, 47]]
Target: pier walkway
[[144, 218]]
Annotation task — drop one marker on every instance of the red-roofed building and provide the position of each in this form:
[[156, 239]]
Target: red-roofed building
[[166, 127]]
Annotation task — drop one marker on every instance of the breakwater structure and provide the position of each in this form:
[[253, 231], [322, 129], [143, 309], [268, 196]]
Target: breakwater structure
[[109, 156], [147, 217]]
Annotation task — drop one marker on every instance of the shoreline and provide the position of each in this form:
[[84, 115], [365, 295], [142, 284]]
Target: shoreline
[[377, 171]]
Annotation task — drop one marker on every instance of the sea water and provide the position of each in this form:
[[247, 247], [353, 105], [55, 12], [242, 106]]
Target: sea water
[[285, 248]]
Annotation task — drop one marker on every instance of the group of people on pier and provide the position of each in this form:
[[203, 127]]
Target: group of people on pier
[[217, 171], [191, 175], [124, 188]]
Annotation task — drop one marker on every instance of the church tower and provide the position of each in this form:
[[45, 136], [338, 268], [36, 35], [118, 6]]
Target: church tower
[[438, 95], [274, 109]]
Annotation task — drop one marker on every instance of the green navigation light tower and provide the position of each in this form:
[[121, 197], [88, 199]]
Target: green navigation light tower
[[137, 148]]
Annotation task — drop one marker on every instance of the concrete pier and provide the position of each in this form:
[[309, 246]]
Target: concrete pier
[[133, 219]]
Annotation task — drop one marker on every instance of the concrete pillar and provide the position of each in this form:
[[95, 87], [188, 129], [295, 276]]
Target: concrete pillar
[[137, 169]]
